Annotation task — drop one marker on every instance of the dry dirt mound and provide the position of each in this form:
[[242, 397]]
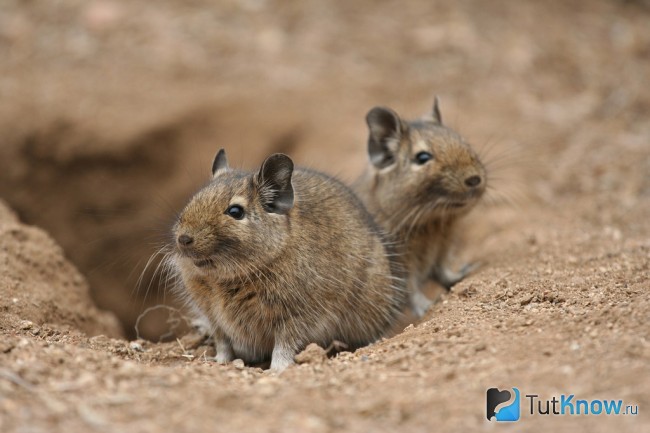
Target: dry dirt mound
[[39, 286]]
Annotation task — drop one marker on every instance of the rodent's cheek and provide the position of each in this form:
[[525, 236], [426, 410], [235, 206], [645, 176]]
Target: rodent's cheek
[[436, 186], [428, 174], [421, 168], [268, 235]]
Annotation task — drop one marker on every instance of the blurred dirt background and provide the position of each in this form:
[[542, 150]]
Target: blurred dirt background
[[111, 112]]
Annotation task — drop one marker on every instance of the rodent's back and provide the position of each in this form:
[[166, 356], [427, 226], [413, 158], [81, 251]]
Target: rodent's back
[[343, 257], [325, 202]]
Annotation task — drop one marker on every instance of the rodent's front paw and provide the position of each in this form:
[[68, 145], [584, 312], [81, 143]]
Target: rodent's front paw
[[282, 357], [419, 302], [225, 354], [224, 358], [202, 325]]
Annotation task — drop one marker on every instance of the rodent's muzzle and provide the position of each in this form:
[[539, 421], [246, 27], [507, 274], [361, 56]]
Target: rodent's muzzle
[[185, 241], [456, 190], [187, 247]]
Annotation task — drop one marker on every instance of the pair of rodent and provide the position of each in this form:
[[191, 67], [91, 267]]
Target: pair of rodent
[[284, 257]]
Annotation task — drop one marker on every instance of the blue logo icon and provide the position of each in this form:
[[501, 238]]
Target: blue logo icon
[[494, 398]]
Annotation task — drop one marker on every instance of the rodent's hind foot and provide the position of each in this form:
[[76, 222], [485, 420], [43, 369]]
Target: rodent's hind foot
[[447, 278]]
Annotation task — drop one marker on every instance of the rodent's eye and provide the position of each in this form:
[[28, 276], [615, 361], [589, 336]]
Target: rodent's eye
[[235, 211], [423, 157]]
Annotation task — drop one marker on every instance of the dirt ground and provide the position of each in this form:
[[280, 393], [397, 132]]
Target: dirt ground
[[110, 113]]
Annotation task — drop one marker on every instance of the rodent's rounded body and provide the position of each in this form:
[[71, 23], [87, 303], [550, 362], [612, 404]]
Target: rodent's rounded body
[[275, 281], [422, 178]]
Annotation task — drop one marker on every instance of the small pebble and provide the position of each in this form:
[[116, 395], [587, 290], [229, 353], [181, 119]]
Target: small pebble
[[134, 345], [313, 354], [26, 324], [574, 346]]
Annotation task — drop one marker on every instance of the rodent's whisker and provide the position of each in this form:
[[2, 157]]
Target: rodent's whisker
[[138, 284], [498, 197]]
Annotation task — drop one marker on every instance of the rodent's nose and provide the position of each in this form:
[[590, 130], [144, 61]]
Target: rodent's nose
[[185, 240], [473, 181]]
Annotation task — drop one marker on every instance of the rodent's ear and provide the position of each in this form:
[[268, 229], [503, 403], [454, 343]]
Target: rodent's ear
[[437, 117], [220, 162], [385, 129], [274, 184]]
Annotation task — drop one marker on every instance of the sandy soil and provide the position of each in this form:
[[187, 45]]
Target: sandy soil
[[110, 113]]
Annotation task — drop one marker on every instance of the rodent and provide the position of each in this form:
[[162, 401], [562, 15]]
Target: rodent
[[422, 177], [283, 257]]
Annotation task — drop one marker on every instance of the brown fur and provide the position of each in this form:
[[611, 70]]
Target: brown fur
[[277, 280], [419, 204]]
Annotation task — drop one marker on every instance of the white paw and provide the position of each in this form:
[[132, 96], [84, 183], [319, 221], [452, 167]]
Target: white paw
[[419, 303], [225, 354], [201, 324], [282, 358], [224, 358]]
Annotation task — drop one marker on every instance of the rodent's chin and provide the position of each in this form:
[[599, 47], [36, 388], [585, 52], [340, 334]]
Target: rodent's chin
[[199, 261], [196, 264], [202, 263], [454, 207]]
